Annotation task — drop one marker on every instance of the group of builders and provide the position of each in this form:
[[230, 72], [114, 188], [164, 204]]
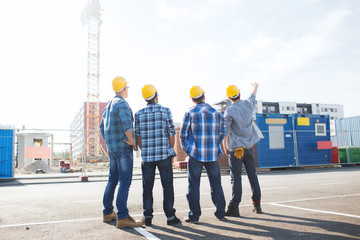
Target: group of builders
[[204, 132]]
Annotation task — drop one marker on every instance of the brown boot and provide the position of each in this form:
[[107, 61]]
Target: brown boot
[[128, 222], [110, 217]]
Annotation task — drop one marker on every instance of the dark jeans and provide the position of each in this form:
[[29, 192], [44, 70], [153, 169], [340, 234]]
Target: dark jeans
[[166, 176], [193, 195], [235, 172], [121, 169]]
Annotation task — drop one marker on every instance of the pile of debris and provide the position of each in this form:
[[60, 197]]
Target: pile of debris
[[36, 167]]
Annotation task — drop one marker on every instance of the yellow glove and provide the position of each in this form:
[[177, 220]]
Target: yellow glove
[[239, 152]]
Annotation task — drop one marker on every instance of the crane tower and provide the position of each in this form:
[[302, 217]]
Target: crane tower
[[91, 17]]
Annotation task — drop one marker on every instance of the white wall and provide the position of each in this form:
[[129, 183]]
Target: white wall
[[336, 111], [28, 141], [287, 107]]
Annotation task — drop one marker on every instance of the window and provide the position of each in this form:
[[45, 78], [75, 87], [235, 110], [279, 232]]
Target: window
[[38, 142], [288, 108], [276, 137], [320, 129], [270, 108]]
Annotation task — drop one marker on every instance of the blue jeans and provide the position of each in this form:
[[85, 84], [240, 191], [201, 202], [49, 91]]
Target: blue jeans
[[193, 195], [166, 176], [235, 172], [121, 169]]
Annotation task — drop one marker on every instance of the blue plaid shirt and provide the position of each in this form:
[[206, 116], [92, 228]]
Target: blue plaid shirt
[[154, 124], [202, 132], [117, 118]]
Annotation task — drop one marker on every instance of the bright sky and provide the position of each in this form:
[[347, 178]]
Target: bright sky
[[298, 51]]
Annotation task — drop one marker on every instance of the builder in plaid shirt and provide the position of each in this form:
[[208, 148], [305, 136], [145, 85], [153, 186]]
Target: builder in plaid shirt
[[155, 131], [201, 135], [116, 128]]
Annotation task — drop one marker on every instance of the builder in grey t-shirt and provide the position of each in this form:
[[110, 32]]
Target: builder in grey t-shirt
[[241, 135]]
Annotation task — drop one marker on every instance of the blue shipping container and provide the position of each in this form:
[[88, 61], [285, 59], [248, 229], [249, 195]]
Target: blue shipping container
[[311, 129], [6, 153], [276, 149]]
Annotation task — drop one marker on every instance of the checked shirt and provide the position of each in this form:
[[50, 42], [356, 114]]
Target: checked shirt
[[154, 125], [117, 118], [202, 132]]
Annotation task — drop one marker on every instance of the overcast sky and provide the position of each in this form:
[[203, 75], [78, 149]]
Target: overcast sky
[[299, 51]]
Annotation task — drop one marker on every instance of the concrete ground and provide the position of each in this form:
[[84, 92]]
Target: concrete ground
[[321, 203]]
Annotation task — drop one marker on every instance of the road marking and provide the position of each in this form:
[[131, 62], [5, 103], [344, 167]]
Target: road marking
[[88, 201], [336, 183], [9, 206], [318, 198], [51, 222], [185, 210], [146, 234], [314, 210], [274, 188]]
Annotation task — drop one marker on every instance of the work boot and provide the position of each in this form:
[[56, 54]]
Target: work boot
[[188, 220], [224, 219], [128, 223], [147, 221], [174, 221], [232, 211], [257, 208], [109, 217]]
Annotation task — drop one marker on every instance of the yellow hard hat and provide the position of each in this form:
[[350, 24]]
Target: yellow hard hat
[[148, 92], [232, 91], [196, 92], [119, 83]]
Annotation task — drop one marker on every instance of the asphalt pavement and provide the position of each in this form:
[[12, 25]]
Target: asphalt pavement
[[314, 203]]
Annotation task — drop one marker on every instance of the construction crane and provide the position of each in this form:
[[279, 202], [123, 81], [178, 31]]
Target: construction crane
[[91, 17]]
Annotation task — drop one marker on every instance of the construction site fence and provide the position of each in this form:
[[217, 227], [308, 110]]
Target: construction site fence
[[56, 147]]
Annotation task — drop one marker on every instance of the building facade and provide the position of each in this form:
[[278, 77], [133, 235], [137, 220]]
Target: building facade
[[335, 111], [77, 133], [33, 146]]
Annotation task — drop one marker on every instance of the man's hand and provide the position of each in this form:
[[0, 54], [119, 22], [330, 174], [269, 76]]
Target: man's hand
[[131, 143], [225, 146], [138, 141], [255, 86], [226, 151]]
